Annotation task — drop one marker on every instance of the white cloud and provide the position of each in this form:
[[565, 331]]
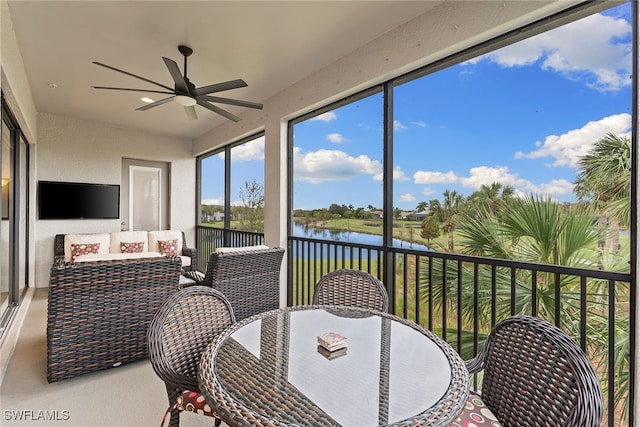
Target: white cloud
[[486, 175], [336, 138], [427, 177], [605, 66], [329, 116], [214, 202], [427, 191], [252, 150], [555, 187], [420, 124], [398, 126], [566, 149], [398, 175], [407, 197], [332, 165]]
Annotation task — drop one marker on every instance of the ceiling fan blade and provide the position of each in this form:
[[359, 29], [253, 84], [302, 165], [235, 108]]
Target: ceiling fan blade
[[219, 110], [133, 75], [231, 101], [133, 90], [181, 85], [191, 112], [155, 104], [219, 87]]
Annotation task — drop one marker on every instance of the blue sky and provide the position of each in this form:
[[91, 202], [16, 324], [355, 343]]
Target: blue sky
[[521, 116]]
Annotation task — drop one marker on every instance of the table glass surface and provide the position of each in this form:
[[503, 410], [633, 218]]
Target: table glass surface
[[390, 371]]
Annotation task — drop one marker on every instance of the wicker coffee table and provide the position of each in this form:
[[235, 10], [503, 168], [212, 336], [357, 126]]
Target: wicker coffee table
[[267, 370]]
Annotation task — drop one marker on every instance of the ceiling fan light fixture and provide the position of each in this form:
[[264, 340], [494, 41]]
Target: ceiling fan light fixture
[[185, 101]]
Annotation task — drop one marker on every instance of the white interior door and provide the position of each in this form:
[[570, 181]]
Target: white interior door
[[144, 195]]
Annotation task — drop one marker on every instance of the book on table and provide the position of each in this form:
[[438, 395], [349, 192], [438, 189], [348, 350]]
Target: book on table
[[332, 341]]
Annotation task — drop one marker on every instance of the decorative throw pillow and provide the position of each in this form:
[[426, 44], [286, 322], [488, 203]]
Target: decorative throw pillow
[[131, 247], [476, 414], [168, 247], [194, 402], [190, 401], [83, 249]]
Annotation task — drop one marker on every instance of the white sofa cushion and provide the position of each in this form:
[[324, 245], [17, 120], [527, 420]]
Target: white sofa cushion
[[128, 237], [165, 235], [226, 250], [117, 256], [77, 239]]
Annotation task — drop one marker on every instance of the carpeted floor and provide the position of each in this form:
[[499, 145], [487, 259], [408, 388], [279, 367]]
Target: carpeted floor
[[130, 395]]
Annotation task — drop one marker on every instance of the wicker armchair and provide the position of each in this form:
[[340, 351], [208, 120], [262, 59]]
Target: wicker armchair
[[535, 375], [351, 287], [178, 334], [248, 276]]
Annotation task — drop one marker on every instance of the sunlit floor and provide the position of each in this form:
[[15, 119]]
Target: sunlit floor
[[130, 395]]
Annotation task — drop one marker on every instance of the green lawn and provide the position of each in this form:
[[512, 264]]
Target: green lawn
[[408, 231]]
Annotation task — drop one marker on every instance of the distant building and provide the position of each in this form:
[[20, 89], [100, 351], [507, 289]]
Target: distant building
[[376, 215], [415, 216], [216, 216]]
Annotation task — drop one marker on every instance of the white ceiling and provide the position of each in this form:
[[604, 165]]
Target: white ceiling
[[269, 44]]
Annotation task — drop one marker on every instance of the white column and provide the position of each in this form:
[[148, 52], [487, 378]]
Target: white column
[[275, 192]]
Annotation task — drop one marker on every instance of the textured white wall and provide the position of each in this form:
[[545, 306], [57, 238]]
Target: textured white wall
[[14, 83], [71, 149]]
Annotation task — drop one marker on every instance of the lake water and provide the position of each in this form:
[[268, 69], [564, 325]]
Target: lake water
[[301, 230]]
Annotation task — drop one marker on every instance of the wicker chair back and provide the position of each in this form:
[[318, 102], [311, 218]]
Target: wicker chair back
[[178, 334], [250, 279], [535, 374], [351, 287]]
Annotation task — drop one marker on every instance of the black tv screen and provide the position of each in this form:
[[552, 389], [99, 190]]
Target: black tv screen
[[76, 200]]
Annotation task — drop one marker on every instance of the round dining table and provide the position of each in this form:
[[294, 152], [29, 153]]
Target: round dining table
[[270, 370]]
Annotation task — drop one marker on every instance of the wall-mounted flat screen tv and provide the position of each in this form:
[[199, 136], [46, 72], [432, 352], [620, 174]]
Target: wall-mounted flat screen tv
[[77, 200]]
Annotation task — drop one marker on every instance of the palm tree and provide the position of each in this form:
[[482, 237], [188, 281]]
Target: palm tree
[[491, 196], [604, 176], [529, 229], [447, 212], [537, 230], [422, 206]]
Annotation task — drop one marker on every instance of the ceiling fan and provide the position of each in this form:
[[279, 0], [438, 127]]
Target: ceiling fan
[[186, 93]]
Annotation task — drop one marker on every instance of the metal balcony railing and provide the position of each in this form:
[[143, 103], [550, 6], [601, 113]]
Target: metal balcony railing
[[461, 297], [210, 238]]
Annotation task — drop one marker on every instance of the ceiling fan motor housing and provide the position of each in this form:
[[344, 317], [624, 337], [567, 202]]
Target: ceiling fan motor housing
[[185, 50]]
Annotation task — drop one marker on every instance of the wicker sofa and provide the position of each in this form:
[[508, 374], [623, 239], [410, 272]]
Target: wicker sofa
[[123, 245], [99, 312]]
